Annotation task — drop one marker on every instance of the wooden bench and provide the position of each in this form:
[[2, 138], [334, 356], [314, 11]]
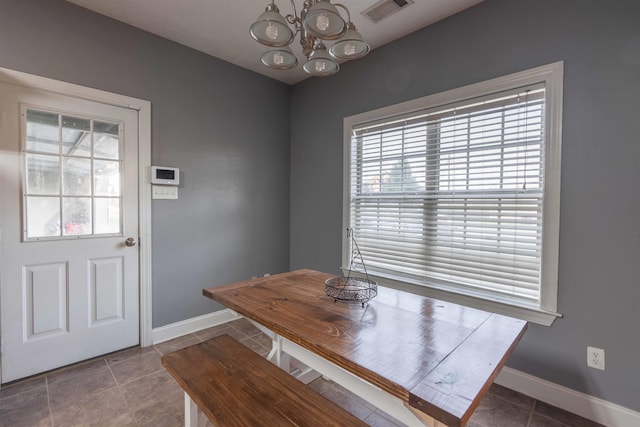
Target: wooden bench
[[233, 386]]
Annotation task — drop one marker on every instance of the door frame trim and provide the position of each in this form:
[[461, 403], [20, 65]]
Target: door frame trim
[[143, 108]]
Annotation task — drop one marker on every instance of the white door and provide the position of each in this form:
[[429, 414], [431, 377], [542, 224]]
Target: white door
[[69, 194]]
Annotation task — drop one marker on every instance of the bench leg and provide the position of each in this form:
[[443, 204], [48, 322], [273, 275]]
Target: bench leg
[[190, 412]]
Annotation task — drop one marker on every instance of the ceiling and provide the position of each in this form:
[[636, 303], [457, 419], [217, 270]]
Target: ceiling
[[220, 28]]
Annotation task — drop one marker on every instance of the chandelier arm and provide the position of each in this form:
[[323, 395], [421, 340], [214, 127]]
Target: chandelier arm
[[308, 43], [295, 22], [345, 9], [295, 11], [319, 62], [293, 19]]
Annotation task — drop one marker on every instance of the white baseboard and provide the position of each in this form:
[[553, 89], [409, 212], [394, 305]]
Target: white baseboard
[[590, 407], [185, 327]]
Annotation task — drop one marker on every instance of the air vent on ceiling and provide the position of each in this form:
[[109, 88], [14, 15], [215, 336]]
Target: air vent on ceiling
[[385, 8]]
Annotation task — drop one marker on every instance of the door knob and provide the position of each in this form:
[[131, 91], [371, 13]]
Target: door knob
[[130, 242]]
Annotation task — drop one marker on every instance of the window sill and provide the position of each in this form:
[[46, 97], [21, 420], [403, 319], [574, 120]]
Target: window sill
[[534, 315]]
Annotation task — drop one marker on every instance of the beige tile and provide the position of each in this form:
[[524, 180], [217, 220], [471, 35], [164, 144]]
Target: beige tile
[[245, 327], [512, 396], [178, 343], [540, 421], [128, 353], [28, 409], [22, 386], [351, 403], [163, 412], [496, 412], [80, 369], [107, 408], [78, 388], [148, 390], [256, 346], [232, 332], [215, 331], [563, 416], [155, 400], [136, 367], [263, 339], [323, 386]]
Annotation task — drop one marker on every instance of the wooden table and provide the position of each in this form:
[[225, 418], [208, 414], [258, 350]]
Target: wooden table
[[424, 361]]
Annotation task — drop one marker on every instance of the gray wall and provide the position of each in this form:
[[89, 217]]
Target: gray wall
[[211, 119], [226, 128], [599, 276]]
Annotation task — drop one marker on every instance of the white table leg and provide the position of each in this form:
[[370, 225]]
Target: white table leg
[[190, 412], [377, 397], [308, 366], [279, 358]]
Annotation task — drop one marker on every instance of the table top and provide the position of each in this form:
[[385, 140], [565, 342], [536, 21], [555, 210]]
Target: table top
[[437, 356]]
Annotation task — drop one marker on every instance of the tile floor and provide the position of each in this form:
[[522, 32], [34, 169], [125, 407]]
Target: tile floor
[[131, 388]]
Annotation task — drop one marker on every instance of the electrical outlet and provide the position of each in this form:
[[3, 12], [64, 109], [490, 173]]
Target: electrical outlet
[[595, 358]]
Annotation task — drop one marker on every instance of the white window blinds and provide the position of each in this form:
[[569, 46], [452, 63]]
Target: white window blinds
[[452, 196]]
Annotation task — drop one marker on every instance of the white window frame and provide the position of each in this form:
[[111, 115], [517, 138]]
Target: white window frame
[[551, 76]]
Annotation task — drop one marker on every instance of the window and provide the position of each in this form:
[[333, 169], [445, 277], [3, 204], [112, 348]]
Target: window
[[459, 192], [72, 176]]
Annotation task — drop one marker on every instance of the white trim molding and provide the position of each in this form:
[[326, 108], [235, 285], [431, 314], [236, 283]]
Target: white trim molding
[[587, 406], [144, 230], [195, 324]]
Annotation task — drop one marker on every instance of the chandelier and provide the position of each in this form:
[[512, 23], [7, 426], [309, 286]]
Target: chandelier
[[318, 21]]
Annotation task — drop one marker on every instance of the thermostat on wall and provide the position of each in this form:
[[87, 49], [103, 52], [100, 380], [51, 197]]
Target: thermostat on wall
[[165, 176]]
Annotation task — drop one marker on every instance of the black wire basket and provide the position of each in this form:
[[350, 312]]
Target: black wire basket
[[352, 289]]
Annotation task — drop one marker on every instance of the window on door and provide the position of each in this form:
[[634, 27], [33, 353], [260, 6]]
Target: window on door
[[461, 194], [72, 176]]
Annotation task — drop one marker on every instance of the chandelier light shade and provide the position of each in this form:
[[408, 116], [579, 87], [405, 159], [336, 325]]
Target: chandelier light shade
[[279, 59], [271, 28], [351, 46], [318, 21], [320, 63], [324, 21]]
